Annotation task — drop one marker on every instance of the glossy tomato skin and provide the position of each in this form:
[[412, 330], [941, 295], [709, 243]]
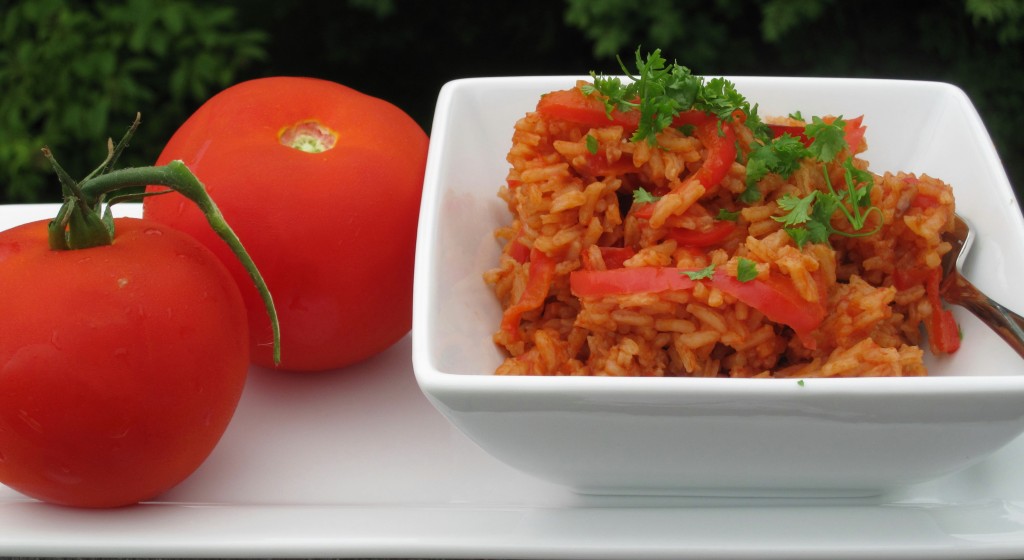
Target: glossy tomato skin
[[120, 366], [333, 233]]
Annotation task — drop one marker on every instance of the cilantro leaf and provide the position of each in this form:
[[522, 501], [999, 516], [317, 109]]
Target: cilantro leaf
[[726, 215], [591, 144], [809, 219], [751, 194], [798, 210], [827, 139], [701, 274], [799, 235], [746, 269], [641, 196]]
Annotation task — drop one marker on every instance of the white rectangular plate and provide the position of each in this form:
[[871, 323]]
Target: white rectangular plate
[[357, 463]]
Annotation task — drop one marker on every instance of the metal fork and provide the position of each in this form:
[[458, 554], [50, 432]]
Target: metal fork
[[957, 290]]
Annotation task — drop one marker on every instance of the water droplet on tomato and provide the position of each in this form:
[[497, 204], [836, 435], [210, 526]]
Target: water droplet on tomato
[[55, 341], [152, 231]]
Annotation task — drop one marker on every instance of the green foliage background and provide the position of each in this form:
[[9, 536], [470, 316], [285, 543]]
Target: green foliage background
[[73, 73]]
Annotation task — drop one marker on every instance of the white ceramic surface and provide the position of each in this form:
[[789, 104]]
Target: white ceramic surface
[[357, 463], [745, 437]]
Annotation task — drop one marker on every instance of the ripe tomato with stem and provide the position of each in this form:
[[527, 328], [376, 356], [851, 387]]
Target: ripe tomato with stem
[[123, 344]]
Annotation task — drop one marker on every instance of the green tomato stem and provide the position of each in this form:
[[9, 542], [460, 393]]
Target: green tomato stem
[[176, 176]]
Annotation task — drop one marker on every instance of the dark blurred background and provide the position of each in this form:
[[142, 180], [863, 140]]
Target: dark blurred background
[[74, 72]]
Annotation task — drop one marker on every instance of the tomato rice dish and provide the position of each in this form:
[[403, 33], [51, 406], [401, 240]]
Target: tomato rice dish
[[660, 227]]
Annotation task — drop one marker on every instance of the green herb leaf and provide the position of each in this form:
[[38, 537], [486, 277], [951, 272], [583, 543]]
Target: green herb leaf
[[782, 156], [661, 91], [701, 274], [827, 139], [642, 196], [746, 270], [751, 194], [591, 144], [726, 215], [800, 235], [798, 210], [809, 219]]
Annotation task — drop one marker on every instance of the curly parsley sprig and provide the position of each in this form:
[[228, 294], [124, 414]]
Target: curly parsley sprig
[[661, 91]]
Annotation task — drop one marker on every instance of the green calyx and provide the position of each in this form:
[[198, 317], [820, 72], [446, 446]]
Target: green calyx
[[85, 219]]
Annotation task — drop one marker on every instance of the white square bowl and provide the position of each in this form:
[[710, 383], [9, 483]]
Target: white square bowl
[[695, 436]]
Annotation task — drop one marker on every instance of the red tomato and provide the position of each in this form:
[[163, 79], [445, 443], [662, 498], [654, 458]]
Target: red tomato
[[333, 232], [120, 365]]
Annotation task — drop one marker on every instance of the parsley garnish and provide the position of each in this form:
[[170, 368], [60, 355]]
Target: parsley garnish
[[810, 218], [746, 270], [591, 144], [706, 272], [660, 91], [642, 196]]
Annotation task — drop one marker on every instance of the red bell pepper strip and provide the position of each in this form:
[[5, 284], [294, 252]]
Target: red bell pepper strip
[[517, 250], [719, 140], [854, 132], [775, 297], [542, 272], [574, 106], [625, 281], [943, 332], [794, 130]]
